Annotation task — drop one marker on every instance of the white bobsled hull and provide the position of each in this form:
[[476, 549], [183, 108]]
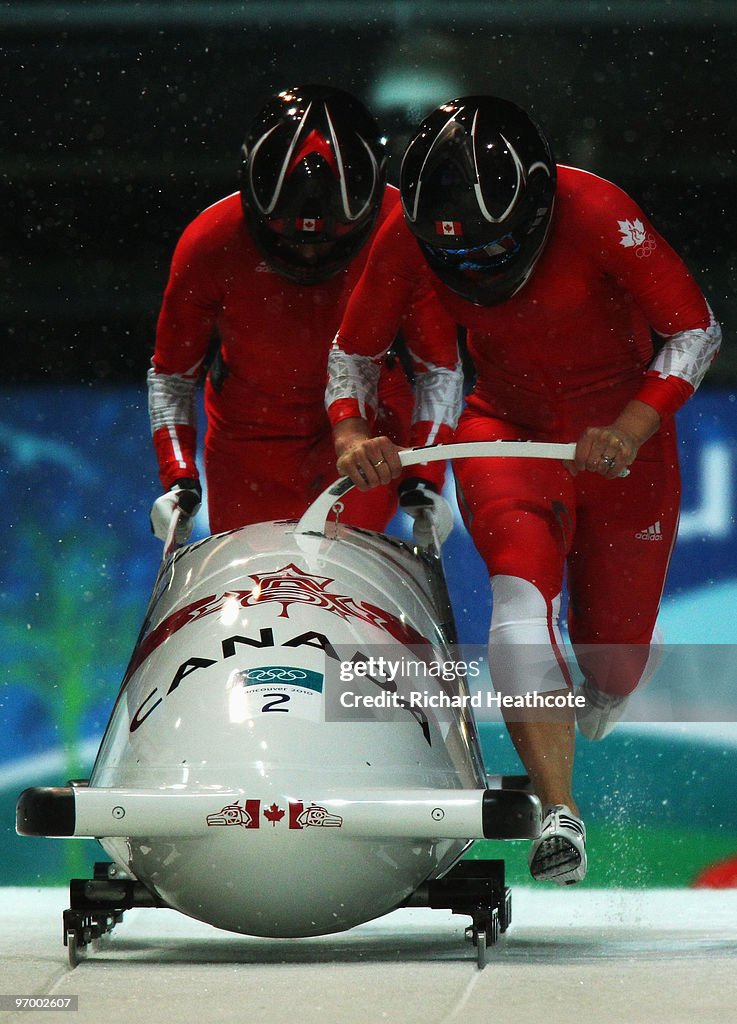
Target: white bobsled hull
[[228, 700]]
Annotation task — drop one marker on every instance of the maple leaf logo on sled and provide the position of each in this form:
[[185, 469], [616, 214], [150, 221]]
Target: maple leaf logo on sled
[[274, 814], [633, 233]]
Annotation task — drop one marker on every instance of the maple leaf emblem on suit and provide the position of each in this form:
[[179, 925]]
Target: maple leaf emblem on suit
[[634, 236], [633, 232]]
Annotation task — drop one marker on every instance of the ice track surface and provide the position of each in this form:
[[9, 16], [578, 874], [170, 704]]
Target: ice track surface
[[575, 956]]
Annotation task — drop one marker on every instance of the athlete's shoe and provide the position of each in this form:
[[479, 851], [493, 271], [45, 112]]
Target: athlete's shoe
[[559, 852], [600, 713]]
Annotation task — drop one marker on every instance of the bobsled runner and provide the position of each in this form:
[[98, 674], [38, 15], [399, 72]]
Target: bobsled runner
[[236, 785]]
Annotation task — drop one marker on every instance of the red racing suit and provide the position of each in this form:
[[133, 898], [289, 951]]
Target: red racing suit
[[567, 351], [268, 446]]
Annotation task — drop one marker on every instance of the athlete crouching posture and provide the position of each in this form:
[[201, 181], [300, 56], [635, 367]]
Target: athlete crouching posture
[[266, 273], [559, 278]]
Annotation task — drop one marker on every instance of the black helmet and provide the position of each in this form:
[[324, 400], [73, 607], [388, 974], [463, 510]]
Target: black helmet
[[477, 184], [312, 175]]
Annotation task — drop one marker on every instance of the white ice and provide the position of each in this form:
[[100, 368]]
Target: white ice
[[574, 956]]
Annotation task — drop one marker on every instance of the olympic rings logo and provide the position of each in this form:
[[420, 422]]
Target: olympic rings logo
[[275, 674], [646, 248]]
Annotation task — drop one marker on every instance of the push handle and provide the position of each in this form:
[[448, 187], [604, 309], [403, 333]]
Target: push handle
[[313, 520]]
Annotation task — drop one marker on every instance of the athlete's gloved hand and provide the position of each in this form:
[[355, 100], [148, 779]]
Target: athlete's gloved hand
[[420, 500], [185, 494]]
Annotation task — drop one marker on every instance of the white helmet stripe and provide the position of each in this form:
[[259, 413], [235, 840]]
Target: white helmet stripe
[[477, 184], [539, 165], [342, 176], [412, 214], [521, 174], [266, 210]]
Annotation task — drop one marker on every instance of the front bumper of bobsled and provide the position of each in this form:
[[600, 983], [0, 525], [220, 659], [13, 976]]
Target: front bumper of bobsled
[[96, 812]]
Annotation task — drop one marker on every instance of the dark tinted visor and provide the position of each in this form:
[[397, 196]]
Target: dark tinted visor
[[307, 254], [491, 257]]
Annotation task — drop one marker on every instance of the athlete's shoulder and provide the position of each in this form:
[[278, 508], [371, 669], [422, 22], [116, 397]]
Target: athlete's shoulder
[[391, 206], [392, 196], [588, 194], [595, 214], [391, 225], [218, 224]]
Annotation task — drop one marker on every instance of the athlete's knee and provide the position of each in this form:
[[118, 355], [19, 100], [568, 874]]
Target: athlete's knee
[[519, 605], [525, 648]]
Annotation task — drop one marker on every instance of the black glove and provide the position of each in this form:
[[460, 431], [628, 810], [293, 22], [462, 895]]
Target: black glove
[[419, 499], [185, 494]]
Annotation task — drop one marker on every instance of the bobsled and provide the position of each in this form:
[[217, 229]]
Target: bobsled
[[237, 783]]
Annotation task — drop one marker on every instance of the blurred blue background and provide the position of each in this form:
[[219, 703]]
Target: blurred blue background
[[79, 561]]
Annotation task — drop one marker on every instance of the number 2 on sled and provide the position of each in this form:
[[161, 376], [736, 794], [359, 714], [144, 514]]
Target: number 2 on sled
[[274, 700]]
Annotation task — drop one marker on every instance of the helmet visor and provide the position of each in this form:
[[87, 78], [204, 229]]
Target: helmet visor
[[490, 258], [301, 254], [306, 257], [490, 273]]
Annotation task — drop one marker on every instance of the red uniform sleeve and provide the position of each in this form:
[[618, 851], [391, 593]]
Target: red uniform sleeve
[[431, 338], [184, 330], [395, 293], [630, 250]]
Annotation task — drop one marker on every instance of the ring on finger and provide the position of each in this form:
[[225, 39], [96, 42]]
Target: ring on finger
[[608, 460], [379, 463]]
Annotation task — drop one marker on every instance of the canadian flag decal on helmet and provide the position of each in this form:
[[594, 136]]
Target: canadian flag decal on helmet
[[309, 224], [448, 227]]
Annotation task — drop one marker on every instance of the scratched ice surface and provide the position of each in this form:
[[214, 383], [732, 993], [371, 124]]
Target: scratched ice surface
[[654, 955]]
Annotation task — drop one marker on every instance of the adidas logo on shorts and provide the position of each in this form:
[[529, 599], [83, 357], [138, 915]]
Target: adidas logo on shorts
[[651, 533]]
